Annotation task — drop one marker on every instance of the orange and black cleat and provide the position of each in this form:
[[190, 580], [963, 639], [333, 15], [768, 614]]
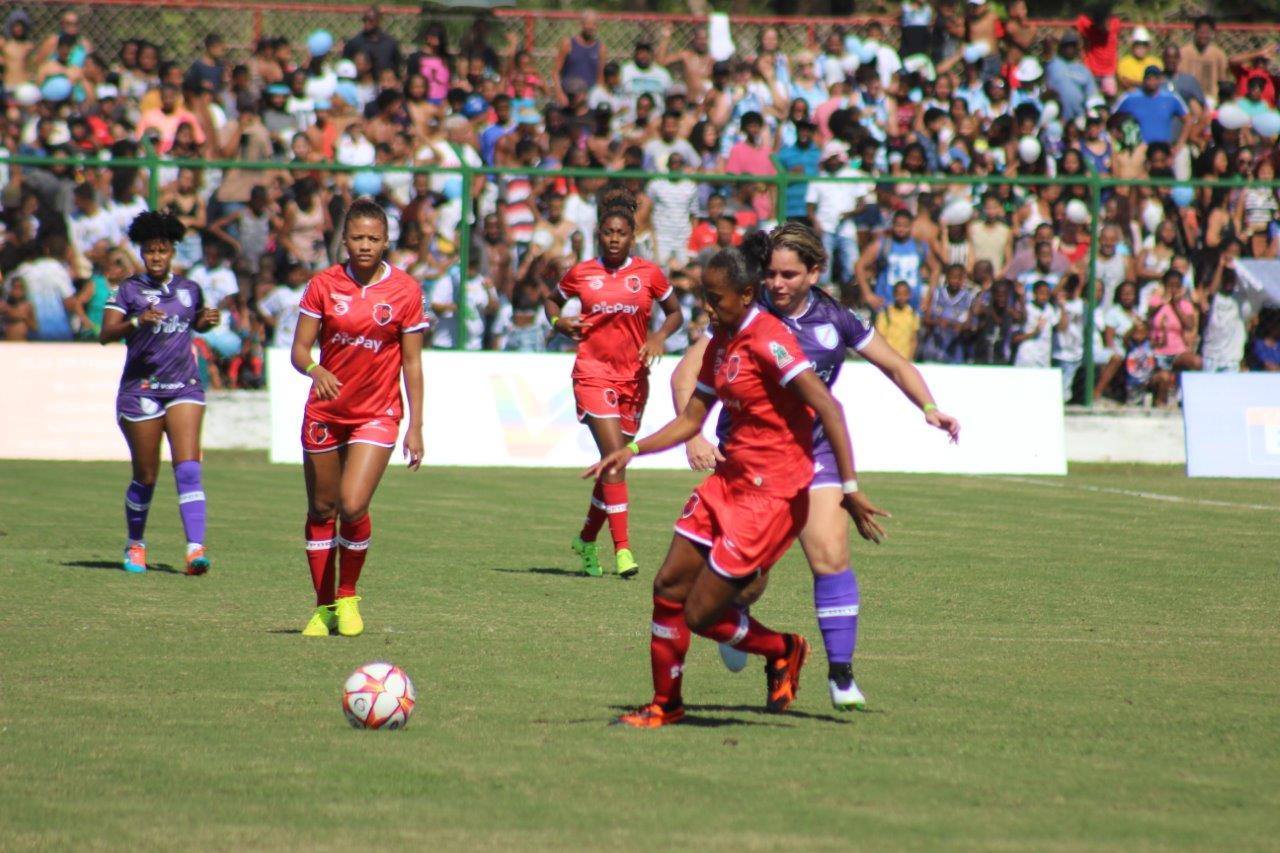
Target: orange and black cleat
[[652, 717], [783, 674]]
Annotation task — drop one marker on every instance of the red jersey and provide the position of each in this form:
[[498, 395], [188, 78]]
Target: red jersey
[[770, 441], [360, 328], [616, 306]]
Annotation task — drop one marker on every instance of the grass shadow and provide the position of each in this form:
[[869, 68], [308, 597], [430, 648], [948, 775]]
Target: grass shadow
[[756, 709], [284, 630], [701, 722], [543, 570], [162, 568]]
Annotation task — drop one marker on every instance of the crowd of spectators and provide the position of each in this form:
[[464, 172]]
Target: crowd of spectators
[[959, 272]]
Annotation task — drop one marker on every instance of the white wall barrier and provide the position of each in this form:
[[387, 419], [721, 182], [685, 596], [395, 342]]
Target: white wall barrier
[[509, 409]]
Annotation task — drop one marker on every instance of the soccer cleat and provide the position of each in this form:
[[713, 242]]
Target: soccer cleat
[[783, 674], [652, 717], [135, 559], [735, 660], [625, 563], [322, 622], [590, 556], [845, 695], [197, 562], [348, 616]]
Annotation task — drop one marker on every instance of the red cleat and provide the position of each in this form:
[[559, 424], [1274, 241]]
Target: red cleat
[[783, 674], [652, 717]]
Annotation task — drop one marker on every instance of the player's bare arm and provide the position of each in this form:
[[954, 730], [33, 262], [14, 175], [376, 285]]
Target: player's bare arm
[[411, 367], [327, 386], [702, 454], [680, 429]]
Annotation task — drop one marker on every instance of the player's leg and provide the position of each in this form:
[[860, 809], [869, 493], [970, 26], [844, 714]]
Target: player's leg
[[733, 658], [143, 438], [825, 540], [632, 398], [609, 437], [669, 635], [323, 474], [362, 470], [183, 421]]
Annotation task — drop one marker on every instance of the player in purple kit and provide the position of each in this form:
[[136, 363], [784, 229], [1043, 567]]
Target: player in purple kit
[[825, 331], [155, 313]]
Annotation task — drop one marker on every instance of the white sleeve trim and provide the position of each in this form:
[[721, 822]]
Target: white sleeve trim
[[666, 293], [800, 367], [866, 339], [705, 389], [566, 297], [310, 313], [417, 328], [114, 308]]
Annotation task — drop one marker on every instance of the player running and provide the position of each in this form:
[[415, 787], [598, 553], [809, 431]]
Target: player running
[[825, 331], [369, 318], [742, 518], [160, 394], [611, 372]]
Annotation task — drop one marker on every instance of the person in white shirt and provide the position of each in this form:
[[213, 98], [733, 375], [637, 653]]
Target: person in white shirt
[[220, 288], [1068, 337], [675, 201], [1035, 341], [643, 76], [832, 207], [481, 302], [279, 308], [92, 224], [1227, 310]]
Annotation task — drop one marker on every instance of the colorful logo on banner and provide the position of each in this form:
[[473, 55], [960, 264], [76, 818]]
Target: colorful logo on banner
[[1263, 425], [532, 425]]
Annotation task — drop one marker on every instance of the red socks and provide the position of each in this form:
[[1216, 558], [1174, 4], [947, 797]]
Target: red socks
[[667, 648], [353, 546], [321, 556], [739, 630], [595, 515], [615, 504]]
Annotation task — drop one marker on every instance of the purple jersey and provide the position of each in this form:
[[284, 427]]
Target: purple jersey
[[825, 331], [160, 362]]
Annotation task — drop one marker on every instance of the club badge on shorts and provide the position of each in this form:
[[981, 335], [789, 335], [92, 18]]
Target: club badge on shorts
[[690, 505], [611, 398], [382, 313], [317, 432]]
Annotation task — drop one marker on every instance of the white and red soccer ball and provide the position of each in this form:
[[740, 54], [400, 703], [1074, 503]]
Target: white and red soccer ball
[[378, 696]]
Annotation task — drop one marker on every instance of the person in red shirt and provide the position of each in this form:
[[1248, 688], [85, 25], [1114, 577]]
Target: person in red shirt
[[744, 517], [615, 349], [369, 318], [1100, 31]]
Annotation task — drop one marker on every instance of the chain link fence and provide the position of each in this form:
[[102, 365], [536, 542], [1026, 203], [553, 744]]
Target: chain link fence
[[179, 27]]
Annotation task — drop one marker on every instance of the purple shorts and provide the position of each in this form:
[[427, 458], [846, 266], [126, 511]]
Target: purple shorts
[[143, 407], [825, 472]]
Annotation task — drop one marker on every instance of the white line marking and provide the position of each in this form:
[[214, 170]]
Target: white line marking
[[1151, 496]]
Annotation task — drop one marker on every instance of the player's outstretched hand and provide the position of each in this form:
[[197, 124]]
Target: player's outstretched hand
[[570, 326], [703, 455], [413, 448], [948, 424], [864, 517], [611, 464], [651, 350], [325, 383], [209, 317], [152, 315]]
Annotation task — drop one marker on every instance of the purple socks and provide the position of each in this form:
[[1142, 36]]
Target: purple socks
[[137, 501], [835, 598], [190, 500]]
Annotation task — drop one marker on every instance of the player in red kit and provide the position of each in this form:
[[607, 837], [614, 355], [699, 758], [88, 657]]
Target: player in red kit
[[615, 350], [742, 518], [369, 318]]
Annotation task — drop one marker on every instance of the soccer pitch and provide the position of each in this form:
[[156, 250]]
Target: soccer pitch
[[1050, 663]]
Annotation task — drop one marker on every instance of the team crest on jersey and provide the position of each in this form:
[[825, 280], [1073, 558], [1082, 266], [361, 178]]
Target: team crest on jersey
[[690, 506], [341, 304], [632, 284], [596, 282], [780, 354], [732, 368], [827, 336], [184, 296], [317, 432], [611, 397], [153, 298], [382, 313]]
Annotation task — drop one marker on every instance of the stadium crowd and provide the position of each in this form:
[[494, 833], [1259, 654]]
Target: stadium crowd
[[957, 272]]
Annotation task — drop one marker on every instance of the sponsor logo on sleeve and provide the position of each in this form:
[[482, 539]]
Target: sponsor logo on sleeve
[[780, 354]]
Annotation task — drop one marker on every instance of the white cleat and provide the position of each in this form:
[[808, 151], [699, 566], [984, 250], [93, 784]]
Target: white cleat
[[735, 660], [845, 695]]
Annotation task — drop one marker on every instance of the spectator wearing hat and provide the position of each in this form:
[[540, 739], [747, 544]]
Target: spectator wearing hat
[[1132, 67], [832, 208], [1070, 78], [372, 41], [1156, 110]]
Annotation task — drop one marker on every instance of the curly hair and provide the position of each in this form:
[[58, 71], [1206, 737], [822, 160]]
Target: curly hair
[[617, 201], [365, 208], [154, 225], [744, 265]]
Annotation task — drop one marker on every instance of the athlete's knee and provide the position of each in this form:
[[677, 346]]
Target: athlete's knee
[[145, 474], [698, 618], [751, 593], [323, 508], [352, 510], [827, 557]]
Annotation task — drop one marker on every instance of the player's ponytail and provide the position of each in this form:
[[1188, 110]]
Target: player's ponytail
[[743, 265], [617, 201]]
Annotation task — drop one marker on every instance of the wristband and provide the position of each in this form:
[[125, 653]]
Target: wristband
[[133, 321], [849, 487], [310, 367], [633, 447], [554, 320], [930, 407]]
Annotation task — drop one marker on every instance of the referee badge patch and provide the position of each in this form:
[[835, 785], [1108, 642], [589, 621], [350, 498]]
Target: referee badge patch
[[780, 354]]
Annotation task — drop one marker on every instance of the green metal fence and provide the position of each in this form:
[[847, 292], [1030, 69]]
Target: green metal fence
[[152, 163]]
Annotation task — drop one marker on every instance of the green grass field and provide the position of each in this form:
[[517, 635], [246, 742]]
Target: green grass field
[[1051, 663]]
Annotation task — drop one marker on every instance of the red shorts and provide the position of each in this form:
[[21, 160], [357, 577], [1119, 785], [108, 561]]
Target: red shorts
[[321, 436], [606, 398], [747, 530]]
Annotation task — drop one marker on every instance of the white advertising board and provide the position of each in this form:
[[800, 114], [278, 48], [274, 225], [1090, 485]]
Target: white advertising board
[[1232, 424]]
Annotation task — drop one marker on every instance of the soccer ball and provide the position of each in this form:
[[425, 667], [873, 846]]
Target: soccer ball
[[378, 696]]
